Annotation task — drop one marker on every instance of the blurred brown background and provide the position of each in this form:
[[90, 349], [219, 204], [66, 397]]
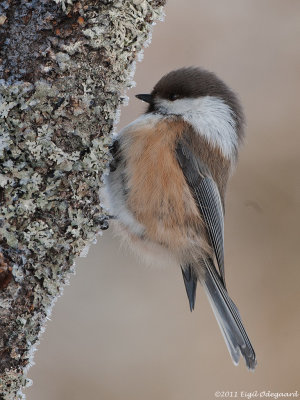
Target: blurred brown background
[[123, 331]]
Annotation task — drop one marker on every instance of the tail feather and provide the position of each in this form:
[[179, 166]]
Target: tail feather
[[190, 282], [228, 318]]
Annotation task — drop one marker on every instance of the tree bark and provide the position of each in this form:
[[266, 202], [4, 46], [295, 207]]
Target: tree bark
[[64, 67]]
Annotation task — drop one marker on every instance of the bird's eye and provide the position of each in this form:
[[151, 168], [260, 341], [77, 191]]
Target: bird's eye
[[173, 96]]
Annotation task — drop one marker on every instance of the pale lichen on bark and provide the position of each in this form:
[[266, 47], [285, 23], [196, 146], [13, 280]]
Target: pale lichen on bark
[[64, 66]]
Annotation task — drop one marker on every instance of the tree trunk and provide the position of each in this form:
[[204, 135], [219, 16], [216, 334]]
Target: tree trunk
[[64, 67]]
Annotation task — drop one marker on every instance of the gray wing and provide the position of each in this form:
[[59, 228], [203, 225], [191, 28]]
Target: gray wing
[[207, 197]]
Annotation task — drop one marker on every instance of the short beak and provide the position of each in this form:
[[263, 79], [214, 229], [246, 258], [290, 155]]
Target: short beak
[[145, 97]]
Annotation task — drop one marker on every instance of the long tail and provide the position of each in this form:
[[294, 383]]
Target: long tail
[[228, 318]]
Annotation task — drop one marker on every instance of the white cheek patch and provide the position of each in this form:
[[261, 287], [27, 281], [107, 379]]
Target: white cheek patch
[[210, 116]]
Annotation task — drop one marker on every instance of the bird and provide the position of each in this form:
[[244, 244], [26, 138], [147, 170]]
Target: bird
[[167, 181]]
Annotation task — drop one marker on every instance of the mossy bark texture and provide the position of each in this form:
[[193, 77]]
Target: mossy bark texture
[[64, 68]]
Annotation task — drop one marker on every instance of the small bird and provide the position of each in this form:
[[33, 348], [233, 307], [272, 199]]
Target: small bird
[[167, 183]]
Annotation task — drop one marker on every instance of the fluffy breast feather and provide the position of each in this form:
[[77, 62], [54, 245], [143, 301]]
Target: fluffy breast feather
[[158, 195], [148, 191]]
